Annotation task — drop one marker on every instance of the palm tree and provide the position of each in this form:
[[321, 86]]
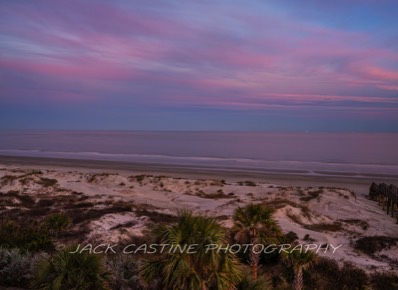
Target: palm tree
[[253, 224], [300, 260], [68, 270], [202, 269], [262, 283]]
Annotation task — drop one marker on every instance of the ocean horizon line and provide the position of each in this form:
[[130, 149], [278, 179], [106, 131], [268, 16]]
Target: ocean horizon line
[[3, 130]]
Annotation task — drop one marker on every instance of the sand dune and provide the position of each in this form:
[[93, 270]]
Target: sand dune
[[113, 206]]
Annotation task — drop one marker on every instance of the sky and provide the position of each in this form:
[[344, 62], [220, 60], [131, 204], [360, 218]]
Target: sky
[[270, 65]]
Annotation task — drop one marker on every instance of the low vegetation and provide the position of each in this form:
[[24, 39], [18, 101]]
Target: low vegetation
[[373, 244], [324, 227], [25, 235], [66, 270], [278, 203], [311, 195], [30, 257], [79, 215], [356, 222], [382, 281], [215, 195], [156, 217], [247, 183], [329, 275], [47, 182], [15, 267]]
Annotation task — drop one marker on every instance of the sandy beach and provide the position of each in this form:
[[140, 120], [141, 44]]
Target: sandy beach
[[112, 202]]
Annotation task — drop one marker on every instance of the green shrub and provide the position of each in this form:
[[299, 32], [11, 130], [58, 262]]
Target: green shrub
[[140, 178], [47, 182], [79, 215], [324, 276], [125, 272], [14, 268], [328, 275], [7, 180], [311, 195], [382, 281], [352, 277], [57, 222], [247, 183], [357, 222], [247, 283], [66, 270], [290, 237], [371, 245], [323, 227], [23, 235]]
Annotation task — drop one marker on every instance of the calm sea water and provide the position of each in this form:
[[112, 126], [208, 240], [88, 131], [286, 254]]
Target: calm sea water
[[311, 153]]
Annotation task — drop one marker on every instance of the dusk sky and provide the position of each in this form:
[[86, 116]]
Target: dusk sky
[[269, 65]]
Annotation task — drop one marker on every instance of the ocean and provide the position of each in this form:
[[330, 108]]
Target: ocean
[[357, 154]]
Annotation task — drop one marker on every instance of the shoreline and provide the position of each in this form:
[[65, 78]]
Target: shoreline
[[359, 183]]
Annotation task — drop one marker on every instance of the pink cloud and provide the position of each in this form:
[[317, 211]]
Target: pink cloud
[[381, 74], [67, 69], [272, 62]]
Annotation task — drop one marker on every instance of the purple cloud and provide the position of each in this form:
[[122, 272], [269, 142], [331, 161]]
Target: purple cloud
[[217, 55]]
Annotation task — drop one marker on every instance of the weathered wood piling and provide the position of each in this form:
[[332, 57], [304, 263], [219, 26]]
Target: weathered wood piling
[[386, 196]]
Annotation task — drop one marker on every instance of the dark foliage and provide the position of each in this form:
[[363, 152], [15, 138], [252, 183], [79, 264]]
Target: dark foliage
[[47, 182], [329, 276], [371, 245], [382, 281], [25, 235]]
